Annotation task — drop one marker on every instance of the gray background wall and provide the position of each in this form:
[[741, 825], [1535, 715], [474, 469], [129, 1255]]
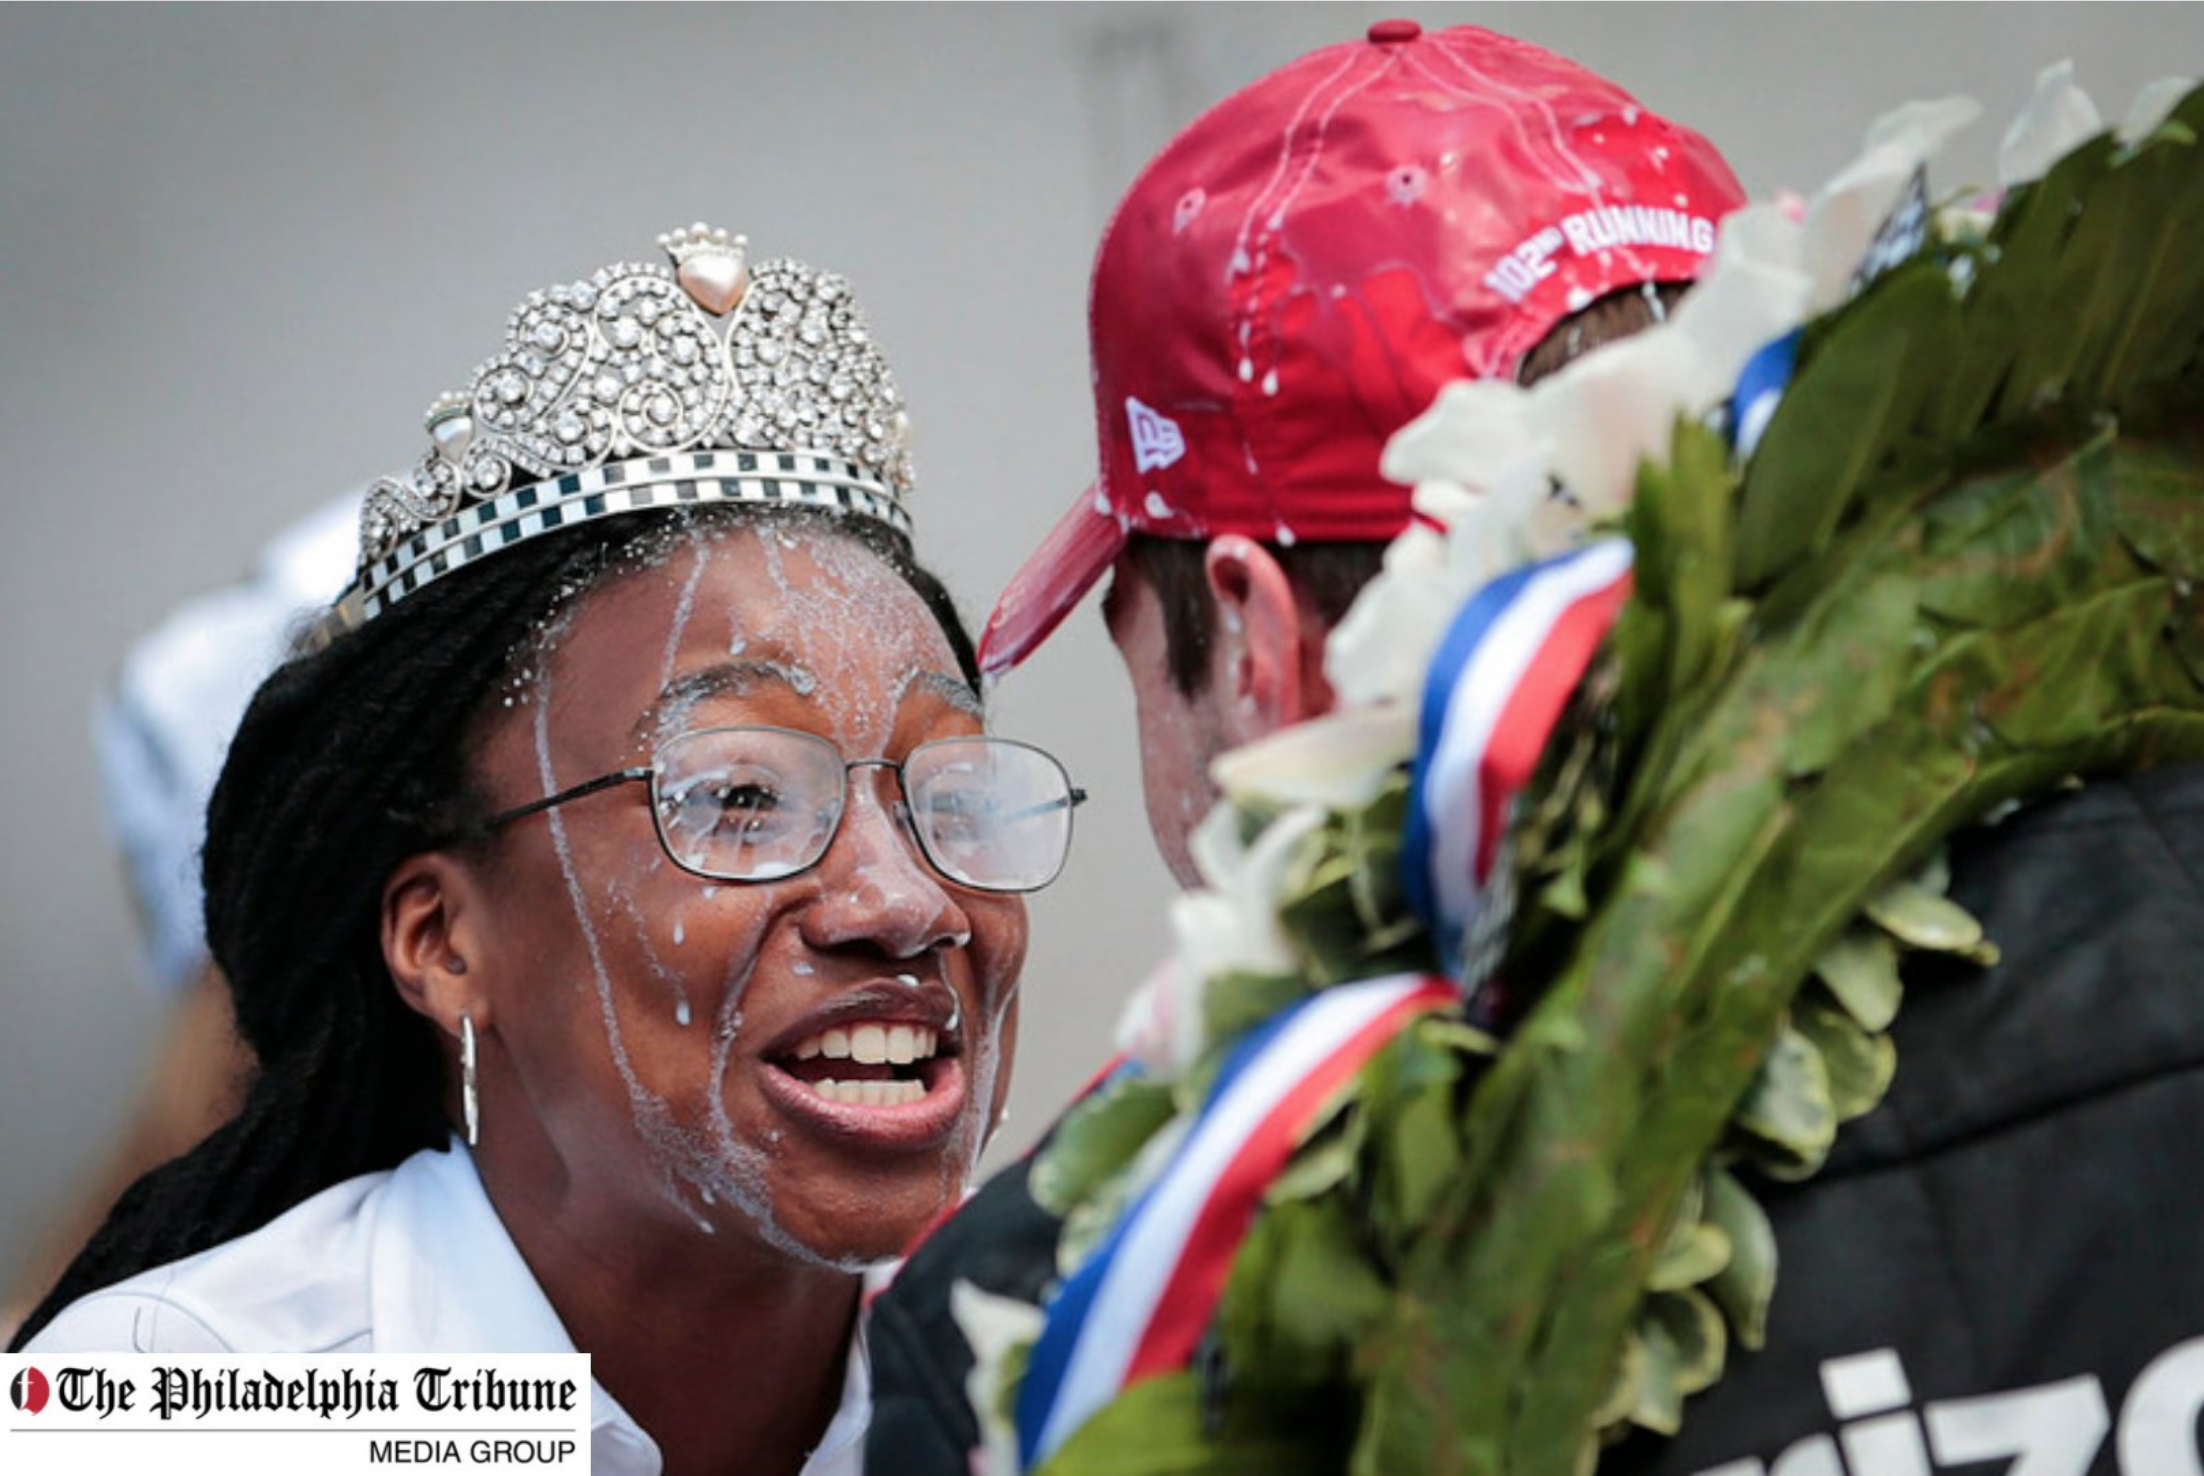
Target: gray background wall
[[241, 248]]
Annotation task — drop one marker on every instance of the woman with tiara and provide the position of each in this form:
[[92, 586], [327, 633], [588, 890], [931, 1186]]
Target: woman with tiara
[[621, 900]]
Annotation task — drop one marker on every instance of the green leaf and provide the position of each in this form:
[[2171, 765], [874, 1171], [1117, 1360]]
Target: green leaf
[[1860, 1064], [1743, 1287], [2152, 279], [1921, 919], [1098, 1138], [1628, 1389], [1845, 665], [1858, 389], [1326, 1159], [1155, 1428], [2043, 224], [2069, 675], [1691, 500], [1445, 1032], [1660, 1402], [1343, 907], [1415, 1132], [1091, 1219], [1326, 1293], [1687, 1330], [1422, 1153], [1236, 1002], [2002, 550], [1861, 970], [1372, 840], [1696, 1252], [1788, 1110], [2157, 496]]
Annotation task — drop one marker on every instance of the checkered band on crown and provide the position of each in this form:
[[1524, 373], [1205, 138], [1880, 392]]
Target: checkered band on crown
[[615, 392], [782, 478]]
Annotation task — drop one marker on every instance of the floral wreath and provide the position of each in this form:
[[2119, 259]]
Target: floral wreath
[[1915, 496]]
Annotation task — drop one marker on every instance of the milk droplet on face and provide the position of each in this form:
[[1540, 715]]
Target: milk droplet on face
[[801, 968], [681, 1013], [680, 932]]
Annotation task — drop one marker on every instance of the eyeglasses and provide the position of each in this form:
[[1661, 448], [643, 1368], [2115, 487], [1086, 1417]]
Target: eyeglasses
[[756, 804]]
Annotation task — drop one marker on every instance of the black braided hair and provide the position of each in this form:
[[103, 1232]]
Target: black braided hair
[[348, 761]]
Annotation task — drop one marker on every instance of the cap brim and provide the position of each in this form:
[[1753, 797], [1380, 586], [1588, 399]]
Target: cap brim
[[1051, 583]]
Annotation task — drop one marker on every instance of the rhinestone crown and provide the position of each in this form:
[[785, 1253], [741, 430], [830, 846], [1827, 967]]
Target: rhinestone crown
[[646, 385]]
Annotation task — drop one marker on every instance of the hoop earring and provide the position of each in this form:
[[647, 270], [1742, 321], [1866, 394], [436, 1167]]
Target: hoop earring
[[469, 1104]]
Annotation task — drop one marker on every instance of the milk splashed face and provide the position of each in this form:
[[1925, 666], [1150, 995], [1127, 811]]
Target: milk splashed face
[[681, 1158], [829, 600], [632, 911]]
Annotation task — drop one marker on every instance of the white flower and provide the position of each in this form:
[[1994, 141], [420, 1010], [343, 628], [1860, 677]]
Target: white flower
[[1378, 651], [1607, 412], [1474, 432], [1232, 925], [1844, 214], [1229, 926], [2059, 116], [1755, 291], [1339, 762], [1161, 1026], [993, 1326], [2151, 107]]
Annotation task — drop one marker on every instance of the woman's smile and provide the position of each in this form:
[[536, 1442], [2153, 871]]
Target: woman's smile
[[878, 1066]]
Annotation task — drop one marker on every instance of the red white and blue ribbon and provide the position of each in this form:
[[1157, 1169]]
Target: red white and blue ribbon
[[1141, 1303], [1495, 689]]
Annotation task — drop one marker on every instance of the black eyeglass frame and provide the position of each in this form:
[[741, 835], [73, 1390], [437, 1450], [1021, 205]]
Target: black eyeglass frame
[[649, 773]]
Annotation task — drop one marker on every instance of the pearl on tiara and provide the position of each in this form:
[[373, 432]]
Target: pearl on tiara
[[709, 266]]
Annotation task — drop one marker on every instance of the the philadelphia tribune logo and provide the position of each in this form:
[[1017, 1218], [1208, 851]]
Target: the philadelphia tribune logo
[[29, 1390]]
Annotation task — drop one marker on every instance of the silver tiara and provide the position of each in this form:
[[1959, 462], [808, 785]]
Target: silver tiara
[[711, 380]]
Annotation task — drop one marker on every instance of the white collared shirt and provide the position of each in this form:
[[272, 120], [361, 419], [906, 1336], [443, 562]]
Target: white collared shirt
[[414, 1260]]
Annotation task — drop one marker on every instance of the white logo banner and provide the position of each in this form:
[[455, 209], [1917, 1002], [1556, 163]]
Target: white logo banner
[[244, 1414]]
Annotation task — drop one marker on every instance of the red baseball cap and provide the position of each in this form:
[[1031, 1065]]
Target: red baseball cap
[[1299, 272]]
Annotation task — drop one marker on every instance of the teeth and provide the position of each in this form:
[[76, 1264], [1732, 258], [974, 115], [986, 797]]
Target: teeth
[[872, 1043], [870, 1093]]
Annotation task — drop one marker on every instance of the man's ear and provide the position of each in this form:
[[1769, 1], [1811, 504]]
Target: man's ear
[[432, 912], [1269, 650]]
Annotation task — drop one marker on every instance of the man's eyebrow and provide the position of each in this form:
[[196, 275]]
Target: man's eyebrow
[[956, 693], [686, 692]]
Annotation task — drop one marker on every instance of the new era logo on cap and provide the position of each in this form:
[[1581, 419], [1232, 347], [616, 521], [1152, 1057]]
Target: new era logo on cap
[[1157, 442]]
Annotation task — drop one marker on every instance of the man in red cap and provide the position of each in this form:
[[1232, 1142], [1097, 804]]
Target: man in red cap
[[1290, 282], [1286, 285]]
